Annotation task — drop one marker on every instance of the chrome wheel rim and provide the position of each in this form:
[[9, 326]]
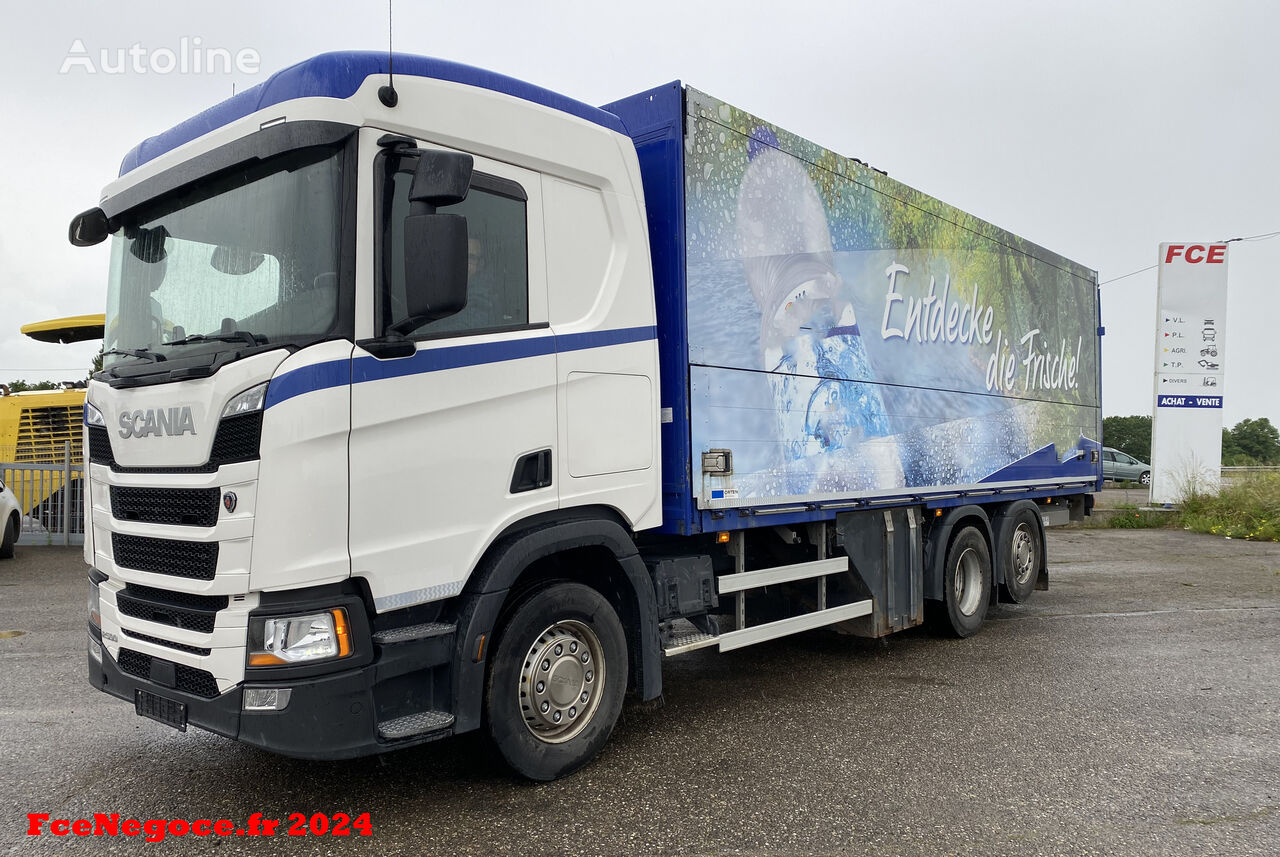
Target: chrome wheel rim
[[561, 681], [1024, 554], [968, 582]]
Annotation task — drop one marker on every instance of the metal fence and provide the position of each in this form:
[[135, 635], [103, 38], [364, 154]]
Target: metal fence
[[51, 499]]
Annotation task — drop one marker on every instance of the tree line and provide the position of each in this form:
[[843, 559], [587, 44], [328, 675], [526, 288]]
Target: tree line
[[21, 386], [1248, 443]]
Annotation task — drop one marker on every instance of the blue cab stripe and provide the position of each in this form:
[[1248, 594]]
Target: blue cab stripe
[[318, 376], [337, 373]]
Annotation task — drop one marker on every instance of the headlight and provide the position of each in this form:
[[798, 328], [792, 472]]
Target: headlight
[[95, 605], [298, 639], [93, 416], [247, 402]]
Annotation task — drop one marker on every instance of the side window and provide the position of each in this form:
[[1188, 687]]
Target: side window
[[497, 255], [1108, 456]]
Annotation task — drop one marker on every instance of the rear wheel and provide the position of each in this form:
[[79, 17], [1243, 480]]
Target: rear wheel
[[556, 681], [8, 538], [966, 586], [1020, 554], [1145, 478]]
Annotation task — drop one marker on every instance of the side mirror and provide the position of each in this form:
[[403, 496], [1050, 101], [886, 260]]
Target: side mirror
[[441, 178], [435, 268], [89, 228], [435, 245]]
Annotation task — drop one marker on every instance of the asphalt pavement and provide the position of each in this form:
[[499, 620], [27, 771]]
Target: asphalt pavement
[[1133, 709]]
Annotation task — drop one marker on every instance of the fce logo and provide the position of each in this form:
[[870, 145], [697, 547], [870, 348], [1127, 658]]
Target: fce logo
[[1214, 254]]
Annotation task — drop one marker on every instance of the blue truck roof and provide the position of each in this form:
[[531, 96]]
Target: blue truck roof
[[339, 75]]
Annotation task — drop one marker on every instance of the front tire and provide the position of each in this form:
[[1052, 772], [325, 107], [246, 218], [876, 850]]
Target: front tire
[[8, 538], [966, 586], [556, 681], [1021, 551]]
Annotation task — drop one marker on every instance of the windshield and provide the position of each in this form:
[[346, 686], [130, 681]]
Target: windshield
[[252, 258]]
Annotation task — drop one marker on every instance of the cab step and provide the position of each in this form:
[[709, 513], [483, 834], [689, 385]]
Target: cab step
[[412, 725], [684, 637]]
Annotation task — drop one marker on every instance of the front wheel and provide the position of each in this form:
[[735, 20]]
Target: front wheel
[[556, 681]]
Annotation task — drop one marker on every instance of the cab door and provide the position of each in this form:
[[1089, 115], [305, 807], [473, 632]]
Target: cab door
[[452, 439]]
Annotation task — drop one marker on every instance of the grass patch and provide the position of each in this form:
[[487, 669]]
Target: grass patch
[[1132, 518], [1247, 509]]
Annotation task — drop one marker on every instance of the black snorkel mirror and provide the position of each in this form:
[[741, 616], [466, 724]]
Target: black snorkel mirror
[[89, 228]]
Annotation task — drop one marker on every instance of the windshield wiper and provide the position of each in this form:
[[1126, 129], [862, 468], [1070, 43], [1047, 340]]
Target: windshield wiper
[[234, 336], [143, 353]]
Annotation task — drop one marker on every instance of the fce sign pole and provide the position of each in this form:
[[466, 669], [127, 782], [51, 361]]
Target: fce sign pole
[[1186, 431]]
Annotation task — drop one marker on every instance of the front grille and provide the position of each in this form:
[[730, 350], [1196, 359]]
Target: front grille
[[100, 453], [100, 446], [135, 663], [237, 439], [194, 560], [182, 647], [179, 609], [188, 507], [187, 679]]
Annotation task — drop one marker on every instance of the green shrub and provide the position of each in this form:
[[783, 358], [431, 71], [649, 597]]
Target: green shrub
[[1133, 518], [1249, 508]]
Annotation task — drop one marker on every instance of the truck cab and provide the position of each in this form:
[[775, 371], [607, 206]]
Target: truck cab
[[297, 463]]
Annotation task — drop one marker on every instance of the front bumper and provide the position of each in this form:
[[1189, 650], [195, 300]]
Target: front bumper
[[335, 711], [328, 717]]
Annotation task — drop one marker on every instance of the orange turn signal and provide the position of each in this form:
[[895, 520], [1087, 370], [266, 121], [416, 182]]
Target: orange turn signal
[[340, 631]]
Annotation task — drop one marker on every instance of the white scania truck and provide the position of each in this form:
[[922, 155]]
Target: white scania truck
[[447, 402]]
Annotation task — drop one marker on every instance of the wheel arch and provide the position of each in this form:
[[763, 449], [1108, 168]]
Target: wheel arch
[[939, 539], [588, 545]]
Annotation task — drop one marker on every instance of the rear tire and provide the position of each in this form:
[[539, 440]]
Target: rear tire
[[1145, 478], [10, 536], [556, 681], [1021, 552], [966, 586]]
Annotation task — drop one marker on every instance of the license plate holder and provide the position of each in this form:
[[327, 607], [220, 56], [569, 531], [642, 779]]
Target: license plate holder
[[170, 712]]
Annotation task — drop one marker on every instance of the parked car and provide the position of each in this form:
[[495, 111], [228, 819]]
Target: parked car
[[1117, 465], [10, 521]]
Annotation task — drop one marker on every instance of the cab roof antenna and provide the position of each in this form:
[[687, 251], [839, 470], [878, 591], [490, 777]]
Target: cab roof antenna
[[387, 94]]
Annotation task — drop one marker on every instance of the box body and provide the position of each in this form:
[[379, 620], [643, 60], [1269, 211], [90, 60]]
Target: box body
[[846, 337]]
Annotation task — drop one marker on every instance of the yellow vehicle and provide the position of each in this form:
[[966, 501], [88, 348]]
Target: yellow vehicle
[[36, 428]]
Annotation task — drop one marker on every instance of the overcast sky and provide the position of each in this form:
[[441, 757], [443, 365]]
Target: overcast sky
[[1096, 129]]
